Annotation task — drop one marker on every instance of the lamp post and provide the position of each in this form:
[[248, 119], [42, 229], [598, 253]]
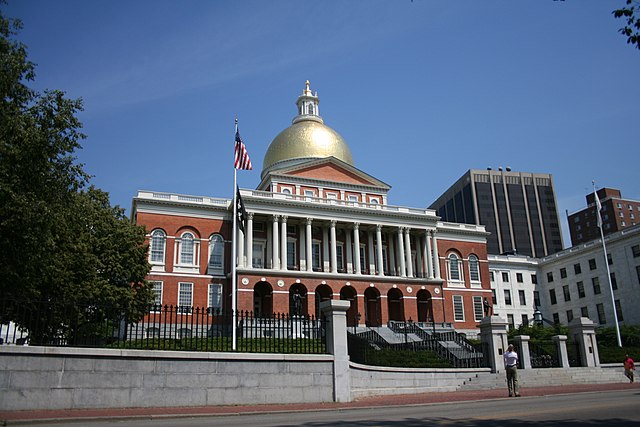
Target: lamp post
[[537, 317]]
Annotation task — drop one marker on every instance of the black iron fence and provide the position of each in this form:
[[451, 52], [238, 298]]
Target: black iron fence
[[158, 328], [544, 354]]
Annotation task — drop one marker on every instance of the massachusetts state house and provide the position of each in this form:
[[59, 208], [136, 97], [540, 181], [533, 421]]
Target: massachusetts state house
[[316, 227]]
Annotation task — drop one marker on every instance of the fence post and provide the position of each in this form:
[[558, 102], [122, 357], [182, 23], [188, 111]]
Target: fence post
[[561, 345], [493, 334], [336, 313], [522, 342], [583, 332]]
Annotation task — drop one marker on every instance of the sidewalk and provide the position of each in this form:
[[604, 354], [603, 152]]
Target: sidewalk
[[18, 417]]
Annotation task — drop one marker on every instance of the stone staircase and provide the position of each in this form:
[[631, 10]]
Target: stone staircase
[[547, 377]]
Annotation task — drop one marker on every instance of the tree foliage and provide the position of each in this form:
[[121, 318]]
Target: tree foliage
[[632, 23], [60, 239]]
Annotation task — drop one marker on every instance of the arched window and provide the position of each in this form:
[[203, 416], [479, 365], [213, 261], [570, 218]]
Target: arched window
[[474, 269], [454, 268], [187, 249], [216, 253], [158, 243]]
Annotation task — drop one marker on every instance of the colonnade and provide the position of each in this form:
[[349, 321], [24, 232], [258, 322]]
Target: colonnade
[[400, 249]]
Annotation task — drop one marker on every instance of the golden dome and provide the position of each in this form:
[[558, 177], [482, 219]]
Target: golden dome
[[307, 138]]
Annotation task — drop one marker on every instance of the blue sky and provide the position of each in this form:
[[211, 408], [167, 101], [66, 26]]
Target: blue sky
[[421, 90]]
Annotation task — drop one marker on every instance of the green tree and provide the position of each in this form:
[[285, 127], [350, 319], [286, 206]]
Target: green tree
[[632, 28], [61, 242]]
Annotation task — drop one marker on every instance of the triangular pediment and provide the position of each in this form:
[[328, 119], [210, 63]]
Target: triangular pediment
[[330, 169]]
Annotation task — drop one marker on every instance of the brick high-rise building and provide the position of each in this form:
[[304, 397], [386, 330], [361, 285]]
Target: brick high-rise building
[[617, 214]]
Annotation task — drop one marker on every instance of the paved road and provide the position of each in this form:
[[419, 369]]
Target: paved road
[[606, 408]]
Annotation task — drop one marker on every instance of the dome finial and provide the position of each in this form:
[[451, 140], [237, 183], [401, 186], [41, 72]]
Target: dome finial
[[307, 91]]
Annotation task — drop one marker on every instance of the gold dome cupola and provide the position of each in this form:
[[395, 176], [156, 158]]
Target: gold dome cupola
[[307, 138]]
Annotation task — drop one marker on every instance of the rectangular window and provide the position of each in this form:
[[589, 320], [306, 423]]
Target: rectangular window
[[522, 297], [534, 279], [563, 273], [510, 321], [494, 299], [215, 296], [580, 287], [157, 291], [525, 319], [577, 268], [638, 272], [458, 308], [257, 258], [569, 315], [185, 297], [601, 317], [536, 298], [292, 260], [618, 310], [477, 308], [363, 259], [584, 311], [552, 296], [316, 260], [550, 277], [340, 257], [566, 293], [635, 250], [507, 297], [491, 276], [556, 318], [595, 281], [614, 282], [592, 264], [505, 277], [609, 259], [519, 278], [308, 195]]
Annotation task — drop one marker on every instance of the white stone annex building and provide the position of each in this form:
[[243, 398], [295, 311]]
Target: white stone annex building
[[316, 226]]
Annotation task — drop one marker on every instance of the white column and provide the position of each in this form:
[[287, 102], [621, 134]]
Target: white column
[[325, 249], [436, 258], [349, 253], [283, 243], [419, 264], [240, 248], [372, 262], [379, 250], [249, 240], [401, 257], [356, 246], [309, 239], [426, 260], [275, 264], [407, 252], [391, 250], [334, 251], [302, 256]]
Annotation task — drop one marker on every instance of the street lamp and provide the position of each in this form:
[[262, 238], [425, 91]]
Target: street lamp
[[537, 317]]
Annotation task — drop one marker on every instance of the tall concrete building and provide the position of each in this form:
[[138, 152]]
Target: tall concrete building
[[617, 214], [519, 209]]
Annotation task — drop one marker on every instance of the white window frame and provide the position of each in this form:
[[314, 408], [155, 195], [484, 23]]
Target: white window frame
[[216, 243], [181, 260], [478, 311], [474, 261], [158, 287], [309, 195], [340, 256], [185, 291], [458, 308], [211, 295], [156, 256], [458, 261], [316, 255]]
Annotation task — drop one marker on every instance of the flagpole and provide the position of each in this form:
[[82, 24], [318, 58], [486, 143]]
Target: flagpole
[[606, 262], [234, 281]]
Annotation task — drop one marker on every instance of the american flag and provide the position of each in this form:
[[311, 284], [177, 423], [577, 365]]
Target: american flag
[[598, 209], [242, 160]]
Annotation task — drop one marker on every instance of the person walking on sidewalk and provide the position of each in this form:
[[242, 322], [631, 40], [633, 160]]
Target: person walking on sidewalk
[[511, 366], [629, 367]]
